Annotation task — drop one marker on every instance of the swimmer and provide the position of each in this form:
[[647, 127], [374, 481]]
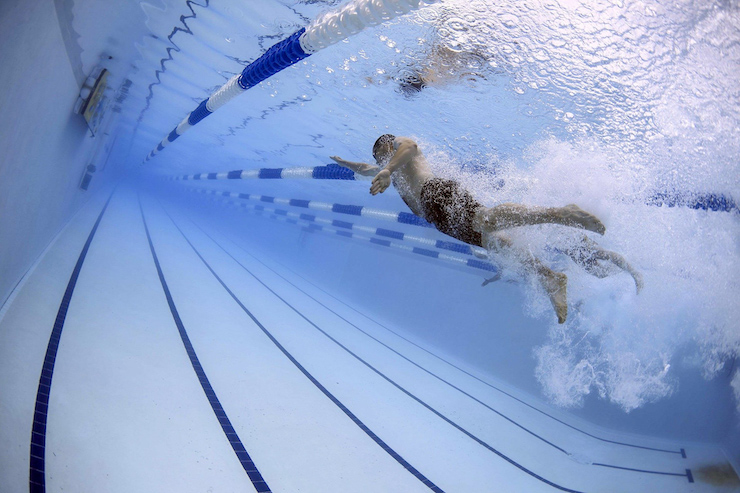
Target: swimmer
[[441, 67], [456, 213]]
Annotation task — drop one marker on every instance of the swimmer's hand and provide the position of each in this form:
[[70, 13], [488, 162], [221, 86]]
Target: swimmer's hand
[[340, 161], [381, 182]]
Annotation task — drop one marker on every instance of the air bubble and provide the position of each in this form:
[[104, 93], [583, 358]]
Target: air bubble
[[428, 14], [456, 24], [509, 20]]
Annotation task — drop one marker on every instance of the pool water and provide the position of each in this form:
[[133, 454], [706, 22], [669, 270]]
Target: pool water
[[224, 317]]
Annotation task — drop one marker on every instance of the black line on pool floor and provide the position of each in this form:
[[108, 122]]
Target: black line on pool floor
[[681, 452], [450, 384], [246, 461], [368, 365], [430, 372], [313, 380], [686, 474], [37, 469], [663, 473]]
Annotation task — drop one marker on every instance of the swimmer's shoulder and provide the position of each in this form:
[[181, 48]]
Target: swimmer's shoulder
[[399, 141]]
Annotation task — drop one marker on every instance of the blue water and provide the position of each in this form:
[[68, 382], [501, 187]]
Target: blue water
[[605, 104]]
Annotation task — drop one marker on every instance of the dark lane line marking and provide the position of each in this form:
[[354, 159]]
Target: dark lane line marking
[[376, 371], [522, 427], [681, 452], [687, 474], [401, 355], [37, 469], [406, 465], [241, 452]]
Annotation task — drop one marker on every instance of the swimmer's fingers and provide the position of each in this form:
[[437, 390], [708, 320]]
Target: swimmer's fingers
[[377, 188], [380, 183], [338, 160]]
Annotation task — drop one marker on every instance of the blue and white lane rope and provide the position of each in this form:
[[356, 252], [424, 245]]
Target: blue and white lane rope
[[383, 233], [701, 201], [328, 172], [352, 210], [313, 227], [327, 29]]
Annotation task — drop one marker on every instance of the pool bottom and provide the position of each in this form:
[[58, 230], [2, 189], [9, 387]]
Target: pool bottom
[[318, 396]]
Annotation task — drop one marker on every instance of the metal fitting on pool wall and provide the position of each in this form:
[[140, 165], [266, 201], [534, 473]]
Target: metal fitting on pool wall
[[92, 101]]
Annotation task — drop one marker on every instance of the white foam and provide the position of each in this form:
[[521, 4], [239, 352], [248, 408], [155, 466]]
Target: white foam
[[617, 344]]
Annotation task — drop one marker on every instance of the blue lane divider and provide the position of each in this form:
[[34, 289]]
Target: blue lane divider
[[328, 172], [474, 263], [707, 201], [157, 73], [37, 469], [406, 465], [375, 370], [327, 29], [236, 444], [387, 233], [292, 218], [353, 210], [700, 201], [663, 473], [681, 452], [280, 56]]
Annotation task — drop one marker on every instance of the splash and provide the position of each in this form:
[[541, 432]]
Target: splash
[[617, 343], [627, 99]]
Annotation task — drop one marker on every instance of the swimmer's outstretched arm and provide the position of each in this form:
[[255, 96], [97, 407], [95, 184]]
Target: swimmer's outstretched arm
[[405, 153], [363, 169]]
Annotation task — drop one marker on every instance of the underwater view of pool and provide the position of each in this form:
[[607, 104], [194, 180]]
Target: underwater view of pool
[[217, 275]]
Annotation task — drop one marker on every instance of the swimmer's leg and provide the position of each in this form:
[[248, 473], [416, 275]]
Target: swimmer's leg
[[595, 253], [620, 262], [509, 215], [554, 283]]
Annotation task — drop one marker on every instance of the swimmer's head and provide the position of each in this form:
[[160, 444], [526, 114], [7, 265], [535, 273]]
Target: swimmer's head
[[383, 148], [411, 84]]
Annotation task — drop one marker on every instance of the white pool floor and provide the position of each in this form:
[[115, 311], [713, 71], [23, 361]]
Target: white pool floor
[[213, 369]]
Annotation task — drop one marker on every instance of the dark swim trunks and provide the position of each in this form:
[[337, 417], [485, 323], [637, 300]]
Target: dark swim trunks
[[451, 209]]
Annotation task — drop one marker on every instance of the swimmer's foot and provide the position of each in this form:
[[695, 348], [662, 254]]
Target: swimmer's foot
[[638, 280], [556, 285], [572, 215], [492, 279]]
